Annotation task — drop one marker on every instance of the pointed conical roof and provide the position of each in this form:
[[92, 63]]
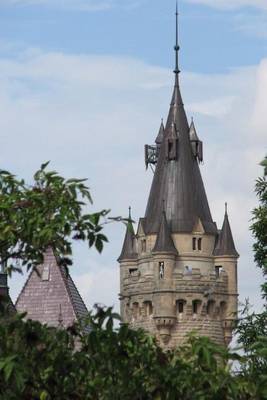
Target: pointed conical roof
[[160, 136], [225, 245], [178, 181], [192, 132], [49, 289], [164, 242], [129, 244]]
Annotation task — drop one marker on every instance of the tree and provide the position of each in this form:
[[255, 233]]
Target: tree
[[51, 212], [259, 226]]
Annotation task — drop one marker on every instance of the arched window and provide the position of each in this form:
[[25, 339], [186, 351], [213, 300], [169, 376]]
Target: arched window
[[199, 243], [211, 307], [196, 306], [187, 270], [223, 308], [180, 306], [194, 243]]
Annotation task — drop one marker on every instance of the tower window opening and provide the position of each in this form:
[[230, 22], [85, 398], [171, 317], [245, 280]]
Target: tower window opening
[[196, 306], [180, 306], [210, 307], [132, 271], [143, 245], [194, 243], [161, 270], [218, 269], [199, 243]]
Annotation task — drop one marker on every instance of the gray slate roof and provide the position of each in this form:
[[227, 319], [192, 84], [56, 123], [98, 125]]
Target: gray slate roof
[[129, 245], [53, 301], [178, 182], [160, 136], [225, 243], [164, 242]]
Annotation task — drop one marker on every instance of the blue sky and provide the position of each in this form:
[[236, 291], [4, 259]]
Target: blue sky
[[85, 83]]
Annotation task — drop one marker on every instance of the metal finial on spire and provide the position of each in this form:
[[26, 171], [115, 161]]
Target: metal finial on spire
[[176, 47], [225, 204], [130, 212]]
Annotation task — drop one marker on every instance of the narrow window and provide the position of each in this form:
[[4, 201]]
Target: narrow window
[[210, 307], [161, 270], [194, 241], [180, 306], [196, 306], [218, 269], [199, 242], [143, 245], [148, 308]]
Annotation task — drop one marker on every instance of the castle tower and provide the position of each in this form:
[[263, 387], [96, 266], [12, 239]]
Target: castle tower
[[178, 273]]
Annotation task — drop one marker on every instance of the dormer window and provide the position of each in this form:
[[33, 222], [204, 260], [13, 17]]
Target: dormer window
[[172, 149]]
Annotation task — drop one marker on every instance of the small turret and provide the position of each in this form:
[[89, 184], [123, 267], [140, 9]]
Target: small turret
[[152, 151], [225, 243], [225, 257], [196, 144], [5, 299], [129, 245]]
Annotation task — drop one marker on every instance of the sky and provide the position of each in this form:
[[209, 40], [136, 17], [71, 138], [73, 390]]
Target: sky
[[85, 83]]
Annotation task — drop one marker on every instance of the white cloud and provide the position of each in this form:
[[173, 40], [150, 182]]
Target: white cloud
[[231, 4], [91, 117]]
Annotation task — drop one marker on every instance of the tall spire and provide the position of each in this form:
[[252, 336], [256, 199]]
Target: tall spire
[[176, 47], [177, 177]]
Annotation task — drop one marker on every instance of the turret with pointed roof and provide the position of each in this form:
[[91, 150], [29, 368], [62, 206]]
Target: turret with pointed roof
[[164, 242], [173, 279], [129, 245], [225, 244]]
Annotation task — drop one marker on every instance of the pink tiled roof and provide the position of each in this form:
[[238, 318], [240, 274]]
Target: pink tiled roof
[[50, 295]]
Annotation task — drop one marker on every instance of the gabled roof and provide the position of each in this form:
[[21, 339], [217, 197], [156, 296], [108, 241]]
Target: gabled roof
[[129, 245], [178, 181], [50, 295], [225, 243], [164, 242]]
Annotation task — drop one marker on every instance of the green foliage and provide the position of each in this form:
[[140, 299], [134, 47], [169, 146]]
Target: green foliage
[[259, 226], [49, 213], [38, 362]]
